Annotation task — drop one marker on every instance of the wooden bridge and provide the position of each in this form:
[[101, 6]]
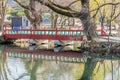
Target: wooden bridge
[[47, 34]]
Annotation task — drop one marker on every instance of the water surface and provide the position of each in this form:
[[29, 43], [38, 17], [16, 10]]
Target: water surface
[[37, 64]]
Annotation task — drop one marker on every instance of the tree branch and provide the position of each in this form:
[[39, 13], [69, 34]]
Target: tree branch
[[32, 4], [59, 9], [27, 13], [113, 12], [97, 9], [116, 16], [73, 2], [23, 6]]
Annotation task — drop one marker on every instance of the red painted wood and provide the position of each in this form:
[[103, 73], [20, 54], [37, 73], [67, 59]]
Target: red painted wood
[[56, 36]]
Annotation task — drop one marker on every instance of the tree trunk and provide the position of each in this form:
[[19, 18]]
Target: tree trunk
[[73, 22], [55, 20], [2, 12], [89, 29], [63, 23], [37, 19], [61, 18], [52, 19], [88, 24]]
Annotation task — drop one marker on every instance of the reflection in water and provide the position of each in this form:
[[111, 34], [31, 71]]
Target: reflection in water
[[36, 64]]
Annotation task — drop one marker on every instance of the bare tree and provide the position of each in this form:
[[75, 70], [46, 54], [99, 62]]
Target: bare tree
[[3, 4], [108, 14], [83, 14], [31, 13]]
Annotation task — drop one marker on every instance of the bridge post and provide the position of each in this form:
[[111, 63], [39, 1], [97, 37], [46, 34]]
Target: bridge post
[[4, 31], [45, 28], [103, 32], [56, 32], [70, 31], [31, 31]]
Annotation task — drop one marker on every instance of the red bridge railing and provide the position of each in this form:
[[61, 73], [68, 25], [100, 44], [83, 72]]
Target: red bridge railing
[[49, 34]]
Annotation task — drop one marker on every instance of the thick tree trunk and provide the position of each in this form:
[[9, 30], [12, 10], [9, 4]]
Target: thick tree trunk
[[89, 29], [88, 24]]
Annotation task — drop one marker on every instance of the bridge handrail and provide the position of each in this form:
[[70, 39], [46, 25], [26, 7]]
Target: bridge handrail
[[52, 34], [56, 30]]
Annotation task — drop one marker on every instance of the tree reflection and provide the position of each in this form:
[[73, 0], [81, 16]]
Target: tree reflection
[[111, 68], [4, 70], [89, 68], [34, 69], [56, 71]]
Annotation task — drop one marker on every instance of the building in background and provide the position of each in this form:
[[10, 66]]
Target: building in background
[[20, 22]]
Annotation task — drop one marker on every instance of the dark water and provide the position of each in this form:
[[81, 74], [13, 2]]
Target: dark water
[[36, 64]]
